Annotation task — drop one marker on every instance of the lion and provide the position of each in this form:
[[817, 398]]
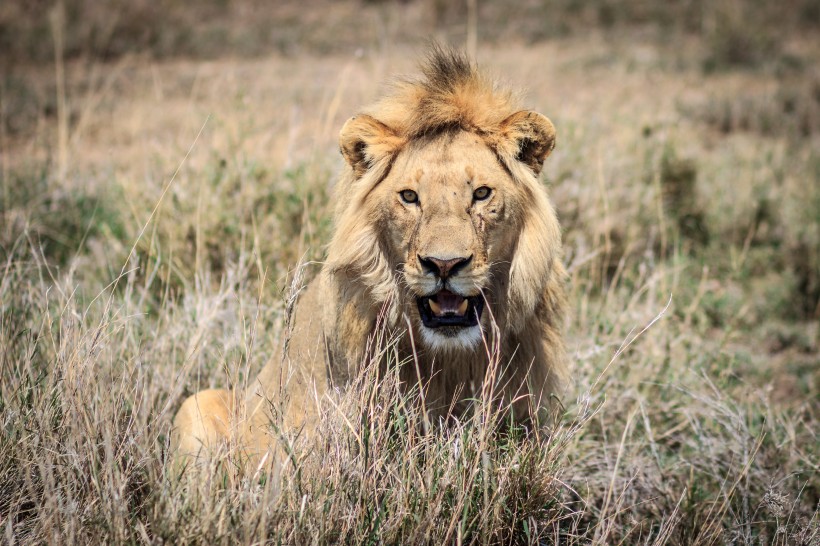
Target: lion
[[444, 234]]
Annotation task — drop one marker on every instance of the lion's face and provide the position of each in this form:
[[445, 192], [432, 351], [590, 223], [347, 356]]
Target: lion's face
[[448, 226]]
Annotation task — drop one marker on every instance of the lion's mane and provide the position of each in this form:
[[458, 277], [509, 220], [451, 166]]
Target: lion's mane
[[452, 95]]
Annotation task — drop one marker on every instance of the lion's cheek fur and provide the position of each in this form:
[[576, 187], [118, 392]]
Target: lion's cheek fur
[[399, 230], [348, 327]]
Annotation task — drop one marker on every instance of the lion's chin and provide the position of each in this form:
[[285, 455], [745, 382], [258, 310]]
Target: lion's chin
[[451, 338]]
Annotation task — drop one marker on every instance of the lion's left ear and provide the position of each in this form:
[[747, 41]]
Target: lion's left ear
[[527, 137], [364, 141]]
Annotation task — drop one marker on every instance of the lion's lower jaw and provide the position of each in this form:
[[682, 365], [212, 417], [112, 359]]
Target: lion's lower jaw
[[449, 339]]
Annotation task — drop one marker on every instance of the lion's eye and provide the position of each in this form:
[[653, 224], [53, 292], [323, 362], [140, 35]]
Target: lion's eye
[[409, 196], [482, 193]]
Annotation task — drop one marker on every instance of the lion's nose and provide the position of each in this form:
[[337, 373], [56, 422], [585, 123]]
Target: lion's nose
[[443, 268]]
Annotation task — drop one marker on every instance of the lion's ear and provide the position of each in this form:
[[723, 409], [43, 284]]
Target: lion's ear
[[364, 140], [528, 137]]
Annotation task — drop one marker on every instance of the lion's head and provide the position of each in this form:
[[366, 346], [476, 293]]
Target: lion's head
[[441, 214]]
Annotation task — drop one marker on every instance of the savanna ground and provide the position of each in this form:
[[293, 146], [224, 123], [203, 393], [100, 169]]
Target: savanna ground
[[166, 168]]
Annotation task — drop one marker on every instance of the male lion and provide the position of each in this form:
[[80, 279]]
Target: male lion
[[444, 234]]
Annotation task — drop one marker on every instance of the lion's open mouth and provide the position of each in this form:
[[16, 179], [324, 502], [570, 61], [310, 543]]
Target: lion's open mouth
[[448, 309]]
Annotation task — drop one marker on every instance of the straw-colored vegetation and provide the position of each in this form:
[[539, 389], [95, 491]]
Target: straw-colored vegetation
[[157, 197]]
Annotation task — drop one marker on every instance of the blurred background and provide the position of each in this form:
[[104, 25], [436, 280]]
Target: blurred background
[[733, 32], [166, 164]]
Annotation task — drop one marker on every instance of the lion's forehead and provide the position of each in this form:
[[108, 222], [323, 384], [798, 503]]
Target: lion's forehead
[[453, 160]]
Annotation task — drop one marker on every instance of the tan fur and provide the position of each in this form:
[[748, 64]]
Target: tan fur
[[443, 136]]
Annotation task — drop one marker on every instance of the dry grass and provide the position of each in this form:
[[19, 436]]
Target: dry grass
[[690, 202]]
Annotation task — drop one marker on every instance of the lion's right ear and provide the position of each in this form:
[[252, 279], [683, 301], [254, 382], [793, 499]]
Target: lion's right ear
[[365, 141]]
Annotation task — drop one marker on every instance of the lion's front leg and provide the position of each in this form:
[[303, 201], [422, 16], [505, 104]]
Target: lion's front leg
[[202, 424]]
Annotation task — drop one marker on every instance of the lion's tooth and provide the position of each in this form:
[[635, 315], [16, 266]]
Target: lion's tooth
[[462, 308], [435, 307]]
